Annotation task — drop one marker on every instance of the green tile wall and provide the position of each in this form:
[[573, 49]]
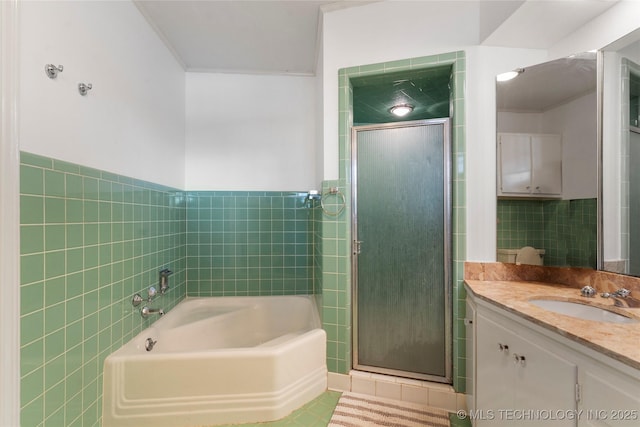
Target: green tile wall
[[89, 241], [335, 278], [520, 223], [333, 253], [249, 243], [565, 229], [570, 232]]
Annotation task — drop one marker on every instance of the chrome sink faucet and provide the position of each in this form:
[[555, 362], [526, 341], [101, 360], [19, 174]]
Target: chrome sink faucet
[[621, 293], [622, 298]]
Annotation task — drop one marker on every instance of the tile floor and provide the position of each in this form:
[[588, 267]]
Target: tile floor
[[316, 413]]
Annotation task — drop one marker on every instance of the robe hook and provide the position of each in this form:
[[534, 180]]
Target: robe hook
[[52, 71]]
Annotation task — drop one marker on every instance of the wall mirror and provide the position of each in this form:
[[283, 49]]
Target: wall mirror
[[547, 148], [621, 155]]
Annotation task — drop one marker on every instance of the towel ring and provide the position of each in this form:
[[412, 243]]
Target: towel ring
[[343, 202]]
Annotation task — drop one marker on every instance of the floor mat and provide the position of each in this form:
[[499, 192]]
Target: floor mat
[[356, 410]]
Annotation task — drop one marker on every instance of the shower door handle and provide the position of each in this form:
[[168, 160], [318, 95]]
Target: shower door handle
[[356, 247]]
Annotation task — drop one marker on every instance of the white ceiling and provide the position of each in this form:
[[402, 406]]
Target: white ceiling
[[548, 85], [281, 37], [264, 36], [539, 24]]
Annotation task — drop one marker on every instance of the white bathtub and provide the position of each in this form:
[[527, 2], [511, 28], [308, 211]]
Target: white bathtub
[[216, 361]]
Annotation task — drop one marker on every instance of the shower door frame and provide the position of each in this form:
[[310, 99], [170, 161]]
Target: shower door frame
[[355, 250]]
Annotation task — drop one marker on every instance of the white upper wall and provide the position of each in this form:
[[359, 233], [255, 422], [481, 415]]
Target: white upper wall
[[577, 122], [614, 23], [132, 121], [250, 132]]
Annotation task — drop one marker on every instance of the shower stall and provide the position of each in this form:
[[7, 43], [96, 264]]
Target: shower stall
[[401, 261]]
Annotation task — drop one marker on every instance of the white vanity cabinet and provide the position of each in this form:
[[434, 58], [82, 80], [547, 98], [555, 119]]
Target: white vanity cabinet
[[470, 347], [521, 369], [530, 165], [609, 397], [518, 374]]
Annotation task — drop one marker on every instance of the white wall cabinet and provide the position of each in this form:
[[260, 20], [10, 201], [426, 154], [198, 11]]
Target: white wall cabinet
[[521, 370], [530, 165]]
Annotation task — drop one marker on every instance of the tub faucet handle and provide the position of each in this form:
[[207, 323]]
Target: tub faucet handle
[[164, 280], [149, 343]]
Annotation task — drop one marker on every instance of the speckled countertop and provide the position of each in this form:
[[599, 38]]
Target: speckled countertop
[[618, 341]]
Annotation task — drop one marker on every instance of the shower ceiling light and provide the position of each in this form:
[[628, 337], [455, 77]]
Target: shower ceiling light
[[401, 110], [509, 75]]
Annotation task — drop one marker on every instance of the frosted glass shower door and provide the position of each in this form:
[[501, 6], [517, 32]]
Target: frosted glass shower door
[[401, 249]]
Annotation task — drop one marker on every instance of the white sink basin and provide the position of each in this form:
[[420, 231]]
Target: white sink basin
[[582, 311]]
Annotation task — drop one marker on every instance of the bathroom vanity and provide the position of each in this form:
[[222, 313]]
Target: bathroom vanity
[[532, 366]]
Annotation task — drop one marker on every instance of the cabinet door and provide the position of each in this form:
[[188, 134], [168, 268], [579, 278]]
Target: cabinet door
[[515, 164], [609, 397], [495, 379], [545, 381], [546, 164], [470, 346], [520, 383]]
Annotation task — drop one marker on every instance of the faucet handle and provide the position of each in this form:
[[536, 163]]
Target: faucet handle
[[164, 280], [622, 292], [588, 291]]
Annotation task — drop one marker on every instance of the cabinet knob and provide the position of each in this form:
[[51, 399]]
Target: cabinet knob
[[517, 358], [503, 347], [468, 322]]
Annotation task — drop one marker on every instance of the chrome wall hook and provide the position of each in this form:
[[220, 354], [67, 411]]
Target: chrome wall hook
[[84, 88], [52, 71]]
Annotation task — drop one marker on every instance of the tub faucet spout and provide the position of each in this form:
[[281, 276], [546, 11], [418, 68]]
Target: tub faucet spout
[[146, 311]]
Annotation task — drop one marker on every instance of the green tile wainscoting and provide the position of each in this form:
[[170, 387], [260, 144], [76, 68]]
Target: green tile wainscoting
[[565, 229], [89, 241], [249, 243], [336, 276]]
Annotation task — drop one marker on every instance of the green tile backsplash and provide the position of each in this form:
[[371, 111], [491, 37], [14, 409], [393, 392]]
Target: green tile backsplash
[[249, 243], [565, 229], [89, 240]]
